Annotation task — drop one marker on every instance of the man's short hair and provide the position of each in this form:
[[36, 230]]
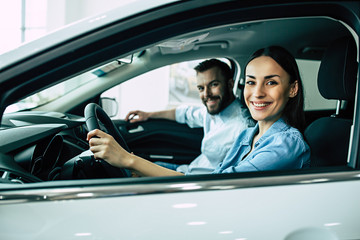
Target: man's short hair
[[208, 64]]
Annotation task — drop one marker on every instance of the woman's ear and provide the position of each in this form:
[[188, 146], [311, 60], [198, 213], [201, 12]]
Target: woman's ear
[[294, 87]]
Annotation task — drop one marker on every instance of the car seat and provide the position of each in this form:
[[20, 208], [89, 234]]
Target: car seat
[[328, 137]]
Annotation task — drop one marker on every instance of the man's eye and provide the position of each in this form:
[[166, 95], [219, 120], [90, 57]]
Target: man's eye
[[215, 84], [200, 89]]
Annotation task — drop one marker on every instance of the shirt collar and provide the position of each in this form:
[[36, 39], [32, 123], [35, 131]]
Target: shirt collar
[[278, 126]]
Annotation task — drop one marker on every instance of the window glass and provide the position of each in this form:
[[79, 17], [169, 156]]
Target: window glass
[[20, 21], [35, 19], [313, 100], [50, 94], [183, 84], [10, 24], [35, 15]]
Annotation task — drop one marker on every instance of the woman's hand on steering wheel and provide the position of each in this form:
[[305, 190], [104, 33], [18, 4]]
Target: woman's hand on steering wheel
[[104, 146]]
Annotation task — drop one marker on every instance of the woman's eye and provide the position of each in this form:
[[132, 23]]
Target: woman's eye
[[272, 83], [250, 82]]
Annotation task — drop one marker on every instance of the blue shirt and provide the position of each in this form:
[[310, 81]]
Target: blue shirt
[[220, 132], [281, 147]]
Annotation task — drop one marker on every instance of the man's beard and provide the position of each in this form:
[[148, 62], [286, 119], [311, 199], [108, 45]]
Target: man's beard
[[222, 104]]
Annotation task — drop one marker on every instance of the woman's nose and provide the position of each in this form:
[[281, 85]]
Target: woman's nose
[[259, 91]]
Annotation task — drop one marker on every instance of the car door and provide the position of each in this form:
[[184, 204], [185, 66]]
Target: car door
[[162, 140]]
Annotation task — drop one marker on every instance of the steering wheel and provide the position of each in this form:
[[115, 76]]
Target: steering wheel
[[93, 114]]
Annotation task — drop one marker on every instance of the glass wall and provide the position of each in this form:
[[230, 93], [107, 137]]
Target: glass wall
[[21, 21]]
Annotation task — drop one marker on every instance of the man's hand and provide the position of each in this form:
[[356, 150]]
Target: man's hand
[[137, 116], [140, 116]]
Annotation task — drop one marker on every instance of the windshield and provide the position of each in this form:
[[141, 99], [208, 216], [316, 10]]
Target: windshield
[[50, 94]]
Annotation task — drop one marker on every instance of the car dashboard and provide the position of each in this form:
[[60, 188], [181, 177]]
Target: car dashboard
[[36, 144]]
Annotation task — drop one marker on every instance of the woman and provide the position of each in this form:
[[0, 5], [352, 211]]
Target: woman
[[274, 95]]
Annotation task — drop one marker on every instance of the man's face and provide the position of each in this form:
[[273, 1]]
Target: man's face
[[215, 91]]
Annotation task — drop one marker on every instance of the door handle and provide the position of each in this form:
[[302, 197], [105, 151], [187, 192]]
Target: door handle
[[136, 130]]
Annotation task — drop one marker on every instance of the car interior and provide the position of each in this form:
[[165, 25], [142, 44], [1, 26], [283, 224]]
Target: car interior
[[336, 76], [56, 130]]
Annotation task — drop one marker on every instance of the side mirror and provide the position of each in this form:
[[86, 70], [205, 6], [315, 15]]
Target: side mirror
[[110, 106]]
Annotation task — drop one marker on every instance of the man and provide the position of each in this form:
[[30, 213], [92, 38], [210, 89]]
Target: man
[[223, 117]]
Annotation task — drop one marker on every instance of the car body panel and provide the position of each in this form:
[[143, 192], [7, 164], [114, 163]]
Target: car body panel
[[307, 202]]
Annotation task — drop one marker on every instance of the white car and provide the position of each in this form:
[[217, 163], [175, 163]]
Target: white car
[[47, 189]]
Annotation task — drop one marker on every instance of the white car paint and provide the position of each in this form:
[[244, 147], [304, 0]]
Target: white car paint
[[303, 206]]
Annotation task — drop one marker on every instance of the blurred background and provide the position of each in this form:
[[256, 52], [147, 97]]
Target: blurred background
[[22, 21], [25, 20]]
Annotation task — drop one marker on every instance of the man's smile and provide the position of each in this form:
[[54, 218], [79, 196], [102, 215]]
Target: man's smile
[[212, 101]]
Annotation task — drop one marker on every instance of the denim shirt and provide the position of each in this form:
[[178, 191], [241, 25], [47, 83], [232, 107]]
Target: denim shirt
[[281, 147], [220, 132]]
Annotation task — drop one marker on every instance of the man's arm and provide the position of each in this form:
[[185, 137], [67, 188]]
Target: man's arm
[[139, 116]]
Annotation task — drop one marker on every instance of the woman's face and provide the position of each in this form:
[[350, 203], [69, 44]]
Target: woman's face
[[267, 89]]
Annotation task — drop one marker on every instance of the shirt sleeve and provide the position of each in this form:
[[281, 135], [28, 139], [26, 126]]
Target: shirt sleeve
[[280, 152], [193, 116]]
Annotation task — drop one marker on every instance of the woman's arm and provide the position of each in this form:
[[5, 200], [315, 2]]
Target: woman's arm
[[104, 146]]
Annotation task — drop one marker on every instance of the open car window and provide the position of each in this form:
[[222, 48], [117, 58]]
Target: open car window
[[173, 85]]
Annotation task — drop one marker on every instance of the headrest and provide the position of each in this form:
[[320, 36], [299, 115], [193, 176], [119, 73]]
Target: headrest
[[338, 68]]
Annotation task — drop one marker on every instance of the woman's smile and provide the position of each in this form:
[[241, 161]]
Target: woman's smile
[[260, 105]]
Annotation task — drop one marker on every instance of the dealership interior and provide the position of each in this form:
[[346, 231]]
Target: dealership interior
[[26, 20]]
